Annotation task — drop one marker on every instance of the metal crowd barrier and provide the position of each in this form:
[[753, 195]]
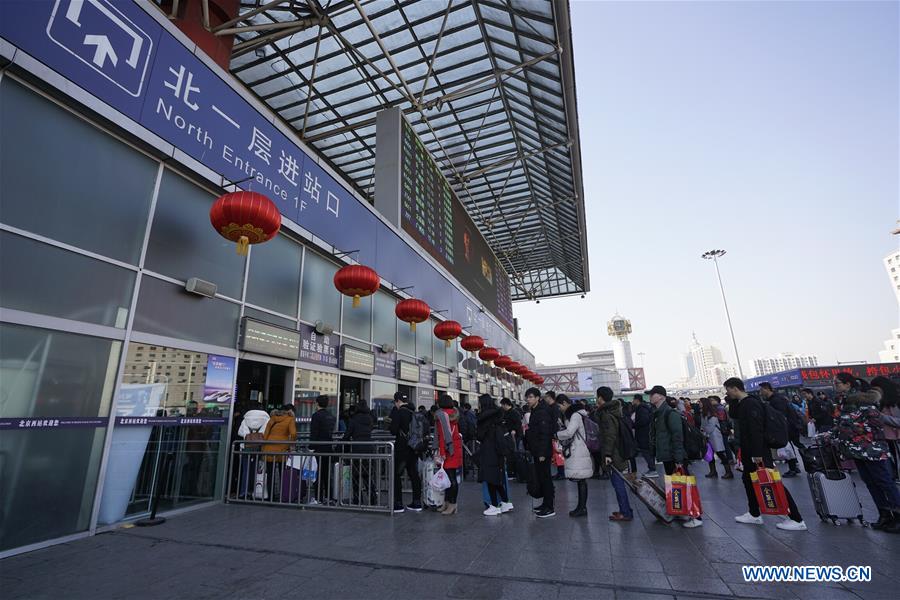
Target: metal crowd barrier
[[335, 475]]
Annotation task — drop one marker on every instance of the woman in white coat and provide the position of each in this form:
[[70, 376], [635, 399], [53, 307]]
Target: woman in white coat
[[579, 465], [709, 422]]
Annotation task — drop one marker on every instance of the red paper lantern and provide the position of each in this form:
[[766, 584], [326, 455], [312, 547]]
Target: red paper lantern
[[246, 218], [516, 368], [489, 354], [357, 281], [472, 343], [412, 311], [447, 331], [503, 362]]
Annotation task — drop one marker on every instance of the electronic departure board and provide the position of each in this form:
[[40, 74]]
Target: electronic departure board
[[432, 214]]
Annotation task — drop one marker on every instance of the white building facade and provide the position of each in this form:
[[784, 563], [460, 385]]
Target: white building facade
[[702, 365], [782, 362]]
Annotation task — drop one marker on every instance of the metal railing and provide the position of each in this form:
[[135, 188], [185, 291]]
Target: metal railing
[[335, 475]]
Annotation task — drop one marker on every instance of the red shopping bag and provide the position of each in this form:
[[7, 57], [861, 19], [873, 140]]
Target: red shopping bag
[[558, 459], [769, 490], [682, 495]]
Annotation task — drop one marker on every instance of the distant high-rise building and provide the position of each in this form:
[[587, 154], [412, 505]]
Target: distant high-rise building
[[782, 362], [698, 364], [892, 266], [891, 352]]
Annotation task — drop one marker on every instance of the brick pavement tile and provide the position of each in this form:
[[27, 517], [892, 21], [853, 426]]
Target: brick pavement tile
[[568, 592], [515, 590], [708, 585], [813, 591], [476, 588], [637, 564], [631, 579], [757, 590], [584, 575], [627, 595]]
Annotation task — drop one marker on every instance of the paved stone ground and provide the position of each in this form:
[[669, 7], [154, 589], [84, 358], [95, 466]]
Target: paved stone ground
[[233, 551]]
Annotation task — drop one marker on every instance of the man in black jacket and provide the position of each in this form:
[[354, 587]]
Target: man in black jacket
[[781, 404], [401, 418], [750, 414], [821, 410], [321, 429], [541, 429], [642, 416]]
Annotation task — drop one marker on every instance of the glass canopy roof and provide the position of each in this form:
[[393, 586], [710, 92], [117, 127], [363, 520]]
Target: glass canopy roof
[[487, 85]]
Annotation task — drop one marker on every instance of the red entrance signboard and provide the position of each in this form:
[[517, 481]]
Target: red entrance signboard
[[867, 371]]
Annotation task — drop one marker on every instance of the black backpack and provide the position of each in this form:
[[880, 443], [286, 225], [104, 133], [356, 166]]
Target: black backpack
[[627, 447], [694, 441], [506, 447], [775, 427], [418, 427]]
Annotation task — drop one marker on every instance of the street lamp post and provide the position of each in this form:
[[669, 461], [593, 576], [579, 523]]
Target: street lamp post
[[715, 255]]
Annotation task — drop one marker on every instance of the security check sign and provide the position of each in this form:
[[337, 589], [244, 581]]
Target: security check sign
[[99, 35]]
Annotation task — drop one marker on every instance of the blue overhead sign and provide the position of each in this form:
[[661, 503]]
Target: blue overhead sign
[[118, 53], [104, 39]]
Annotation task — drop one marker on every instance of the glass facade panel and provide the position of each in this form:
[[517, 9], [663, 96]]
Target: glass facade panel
[[48, 474], [423, 339], [184, 460], [357, 322], [274, 280], [406, 339], [51, 281], [308, 385], [320, 301], [57, 170], [385, 331], [382, 400], [182, 242], [166, 309]]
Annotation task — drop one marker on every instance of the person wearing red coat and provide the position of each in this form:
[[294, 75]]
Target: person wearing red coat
[[448, 451]]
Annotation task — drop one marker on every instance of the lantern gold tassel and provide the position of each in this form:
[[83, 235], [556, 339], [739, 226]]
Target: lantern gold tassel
[[412, 326], [356, 301], [242, 245], [447, 343]]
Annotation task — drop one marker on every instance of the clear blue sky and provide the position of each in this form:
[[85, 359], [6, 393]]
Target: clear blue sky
[[769, 129]]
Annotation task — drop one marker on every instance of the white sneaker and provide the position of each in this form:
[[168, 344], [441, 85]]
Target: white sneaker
[[693, 523], [749, 519], [651, 474], [313, 501], [491, 511], [789, 525], [506, 506]]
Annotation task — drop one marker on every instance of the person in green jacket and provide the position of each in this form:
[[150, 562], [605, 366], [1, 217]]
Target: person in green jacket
[[610, 413], [667, 438]]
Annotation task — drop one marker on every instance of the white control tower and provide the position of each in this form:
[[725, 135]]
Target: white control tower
[[618, 328]]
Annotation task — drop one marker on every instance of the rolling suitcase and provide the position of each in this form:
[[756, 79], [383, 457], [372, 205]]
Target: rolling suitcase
[[835, 498], [833, 491]]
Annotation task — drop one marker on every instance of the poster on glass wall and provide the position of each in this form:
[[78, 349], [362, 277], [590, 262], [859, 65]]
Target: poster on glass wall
[[219, 386]]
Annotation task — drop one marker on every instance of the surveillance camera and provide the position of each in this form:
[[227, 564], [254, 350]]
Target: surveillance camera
[[537, 302], [582, 295]]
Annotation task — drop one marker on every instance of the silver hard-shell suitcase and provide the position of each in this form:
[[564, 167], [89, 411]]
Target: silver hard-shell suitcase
[[835, 498]]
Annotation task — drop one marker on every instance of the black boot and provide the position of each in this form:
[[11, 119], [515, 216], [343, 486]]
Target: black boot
[[884, 517], [713, 474], [581, 509]]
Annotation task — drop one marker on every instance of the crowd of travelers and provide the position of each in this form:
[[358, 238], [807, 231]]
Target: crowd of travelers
[[608, 438]]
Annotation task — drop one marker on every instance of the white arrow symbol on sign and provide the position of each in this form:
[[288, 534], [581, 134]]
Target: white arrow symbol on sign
[[104, 49]]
